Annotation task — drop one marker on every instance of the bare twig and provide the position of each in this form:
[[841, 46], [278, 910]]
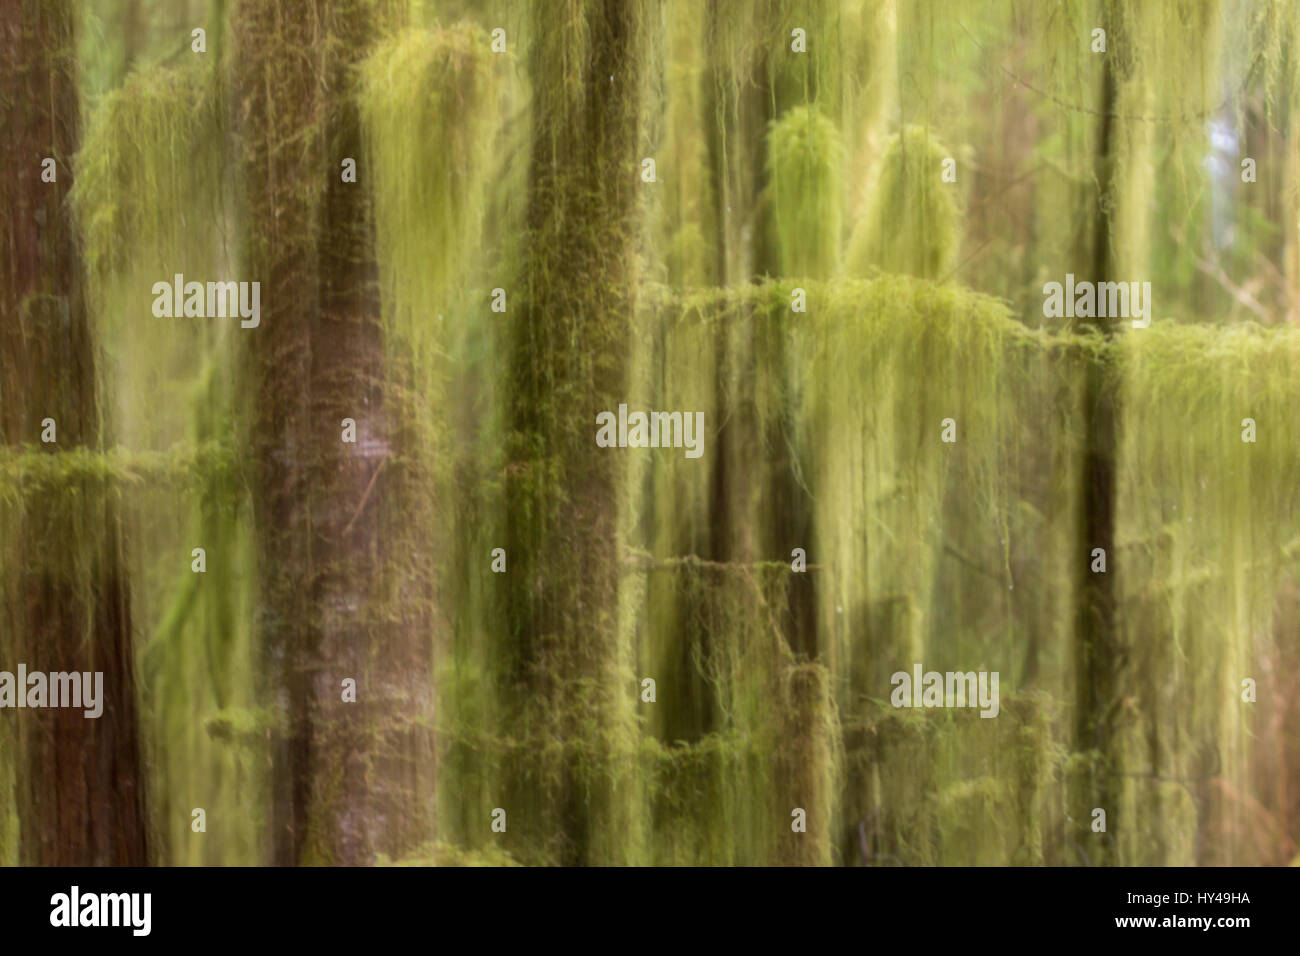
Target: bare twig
[[1215, 271], [364, 496]]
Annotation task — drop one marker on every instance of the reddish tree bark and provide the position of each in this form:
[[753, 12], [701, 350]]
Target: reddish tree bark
[[81, 799]]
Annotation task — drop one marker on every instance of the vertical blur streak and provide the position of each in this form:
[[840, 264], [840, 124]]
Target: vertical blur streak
[[569, 362], [79, 793], [348, 777]]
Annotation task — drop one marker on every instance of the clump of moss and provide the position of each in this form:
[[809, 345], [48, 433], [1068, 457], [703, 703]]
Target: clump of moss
[[146, 174], [911, 222], [806, 183], [429, 115]]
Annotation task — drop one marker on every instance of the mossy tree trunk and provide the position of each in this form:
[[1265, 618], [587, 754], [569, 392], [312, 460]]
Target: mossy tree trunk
[[80, 796], [758, 508], [350, 780], [569, 354], [1098, 640], [739, 107]]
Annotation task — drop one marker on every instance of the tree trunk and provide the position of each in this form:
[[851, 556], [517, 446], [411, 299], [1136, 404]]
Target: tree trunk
[[350, 780], [569, 362], [1098, 642], [80, 796]]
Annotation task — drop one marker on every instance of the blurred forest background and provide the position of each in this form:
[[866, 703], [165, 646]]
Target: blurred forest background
[[796, 145]]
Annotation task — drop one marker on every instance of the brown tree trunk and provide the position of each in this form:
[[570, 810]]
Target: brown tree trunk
[[1098, 643], [80, 797], [350, 781]]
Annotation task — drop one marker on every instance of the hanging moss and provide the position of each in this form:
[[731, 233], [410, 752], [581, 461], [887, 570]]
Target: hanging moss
[[741, 42], [1170, 91], [136, 200], [738, 656], [778, 408], [520, 171], [1211, 533], [152, 203], [431, 102], [911, 223], [681, 148], [429, 110], [805, 170]]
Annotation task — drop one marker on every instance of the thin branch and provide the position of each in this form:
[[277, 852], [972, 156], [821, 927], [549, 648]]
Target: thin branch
[[1215, 271], [364, 496], [641, 559]]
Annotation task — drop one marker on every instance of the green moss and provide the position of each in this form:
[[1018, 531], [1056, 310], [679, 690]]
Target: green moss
[[428, 106], [822, 432], [911, 222], [443, 854], [152, 202], [146, 172], [805, 160], [1208, 527]]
